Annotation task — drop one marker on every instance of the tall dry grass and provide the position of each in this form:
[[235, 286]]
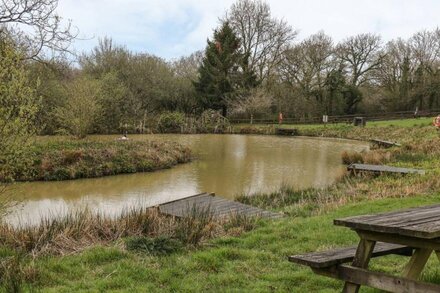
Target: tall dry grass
[[375, 157], [83, 228]]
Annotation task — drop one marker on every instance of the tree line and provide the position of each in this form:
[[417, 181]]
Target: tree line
[[253, 65]]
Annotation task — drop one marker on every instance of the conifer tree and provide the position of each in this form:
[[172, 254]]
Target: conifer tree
[[221, 75]]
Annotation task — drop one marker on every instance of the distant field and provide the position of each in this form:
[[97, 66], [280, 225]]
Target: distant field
[[400, 123]]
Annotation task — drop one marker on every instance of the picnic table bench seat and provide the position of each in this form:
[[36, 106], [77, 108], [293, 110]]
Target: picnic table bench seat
[[329, 258], [413, 232]]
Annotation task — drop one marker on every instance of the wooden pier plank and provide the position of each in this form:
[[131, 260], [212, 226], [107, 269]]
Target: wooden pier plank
[[219, 206], [384, 143], [383, 169]]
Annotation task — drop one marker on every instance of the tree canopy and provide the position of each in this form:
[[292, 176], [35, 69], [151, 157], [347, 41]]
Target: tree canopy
[[223, 73]]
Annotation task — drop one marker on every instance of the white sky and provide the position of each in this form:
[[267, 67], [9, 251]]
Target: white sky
[[172, 28]]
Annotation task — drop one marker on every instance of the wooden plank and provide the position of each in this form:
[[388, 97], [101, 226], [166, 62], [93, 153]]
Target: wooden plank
[[397, 218], [344, 255], [188, 197], [433, 244], [361, 260], [383, 169], [218, 206], [417, 263], [381, 281], [384, 143], [421, 222]]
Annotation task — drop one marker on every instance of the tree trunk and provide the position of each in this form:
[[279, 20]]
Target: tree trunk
[[224, 111]]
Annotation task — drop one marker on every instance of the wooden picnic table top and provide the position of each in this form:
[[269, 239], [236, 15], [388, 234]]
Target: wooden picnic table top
[[422, 222]]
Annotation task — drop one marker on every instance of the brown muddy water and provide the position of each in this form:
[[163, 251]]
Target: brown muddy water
[[228, 165]]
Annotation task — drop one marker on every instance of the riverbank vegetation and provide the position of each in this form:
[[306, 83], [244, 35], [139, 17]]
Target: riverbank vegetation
[[137, 231], [65, 158], [127, 253], [418, 150], [255, 261]]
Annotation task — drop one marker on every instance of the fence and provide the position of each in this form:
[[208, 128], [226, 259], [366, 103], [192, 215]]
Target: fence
[[380, 116]]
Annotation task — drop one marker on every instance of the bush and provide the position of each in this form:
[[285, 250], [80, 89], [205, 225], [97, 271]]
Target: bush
[[171, 122], [212, 122], [161, 245]]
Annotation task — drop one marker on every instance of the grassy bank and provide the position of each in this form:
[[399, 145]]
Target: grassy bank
[[64, 158], [24, 251], [254, 262], [330, 130], [419, 150], [244, 255]]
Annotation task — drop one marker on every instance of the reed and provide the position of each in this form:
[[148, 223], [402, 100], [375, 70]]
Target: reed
[[83, 228]]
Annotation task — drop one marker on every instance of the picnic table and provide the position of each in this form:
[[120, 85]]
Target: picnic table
[[414, 232]]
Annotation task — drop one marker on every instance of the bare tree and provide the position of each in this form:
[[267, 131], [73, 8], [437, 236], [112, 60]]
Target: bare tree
[[425, 46], [263, 38], [361, 54], [256, 101], [307, 63], [396, 72], [426, 49], [36, 26], [187, 66]]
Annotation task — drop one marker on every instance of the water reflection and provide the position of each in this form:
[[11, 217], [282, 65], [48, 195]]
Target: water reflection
[[225, 164]]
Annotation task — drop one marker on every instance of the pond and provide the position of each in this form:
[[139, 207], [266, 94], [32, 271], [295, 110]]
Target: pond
[[228, 165]]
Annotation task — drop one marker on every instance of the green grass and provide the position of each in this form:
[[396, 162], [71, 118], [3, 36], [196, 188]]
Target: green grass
[[402, 123], [389, 123], [254, 262]]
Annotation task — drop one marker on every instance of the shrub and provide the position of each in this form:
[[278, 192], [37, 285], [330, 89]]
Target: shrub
[[161, 245], [212, 122], [171, 122], [81, 109]]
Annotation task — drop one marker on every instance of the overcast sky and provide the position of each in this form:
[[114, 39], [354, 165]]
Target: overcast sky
[[172, 28]]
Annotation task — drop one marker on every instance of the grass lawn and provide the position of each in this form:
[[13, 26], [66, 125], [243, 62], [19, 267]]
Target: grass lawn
[[399, 123], [254, 262]]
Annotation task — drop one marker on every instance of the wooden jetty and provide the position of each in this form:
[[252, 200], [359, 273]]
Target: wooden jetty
[[286, 131], [384, 143], [355, 168], [218, 206]]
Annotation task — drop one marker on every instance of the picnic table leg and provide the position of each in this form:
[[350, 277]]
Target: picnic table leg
[[417, 263], [361, 260]]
